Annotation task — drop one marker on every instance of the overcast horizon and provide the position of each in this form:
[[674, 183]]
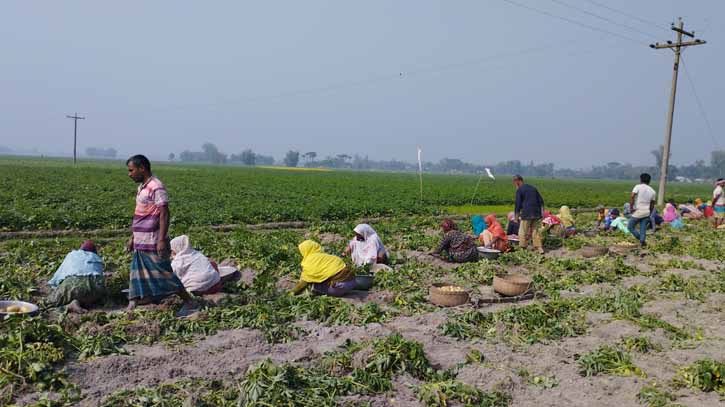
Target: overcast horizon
[[482, 81]]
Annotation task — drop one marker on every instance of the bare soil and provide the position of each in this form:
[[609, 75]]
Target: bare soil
[[228, 354]]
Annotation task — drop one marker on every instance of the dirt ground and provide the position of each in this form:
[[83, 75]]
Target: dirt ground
[[227, 354]]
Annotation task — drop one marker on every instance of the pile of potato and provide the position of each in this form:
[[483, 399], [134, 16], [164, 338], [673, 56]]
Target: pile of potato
[[452, 289], [12, 309]]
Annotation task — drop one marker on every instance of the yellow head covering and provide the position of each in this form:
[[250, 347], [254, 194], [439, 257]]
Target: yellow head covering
[[316, 265], [565, 216], [698, 203]]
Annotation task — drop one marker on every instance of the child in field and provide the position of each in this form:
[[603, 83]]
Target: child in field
[[618, 222], [601, 216], [611, 216]]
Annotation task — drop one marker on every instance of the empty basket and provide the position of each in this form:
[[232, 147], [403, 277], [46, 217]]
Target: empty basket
[[512, 285]]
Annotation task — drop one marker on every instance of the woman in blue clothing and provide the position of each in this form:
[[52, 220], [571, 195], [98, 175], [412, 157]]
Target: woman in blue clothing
[[79, 281], [479, 226]]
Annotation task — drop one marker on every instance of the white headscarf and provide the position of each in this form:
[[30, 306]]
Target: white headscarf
[[366, 252], [193, 268]]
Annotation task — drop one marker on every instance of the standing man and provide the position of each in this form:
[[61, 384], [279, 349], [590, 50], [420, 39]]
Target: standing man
[[529, 210], [642, 202], [718, 203], [151, 274]]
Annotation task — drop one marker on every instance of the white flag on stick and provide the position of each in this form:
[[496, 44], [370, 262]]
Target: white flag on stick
[[420, 163], [420, 173], [490, 175]]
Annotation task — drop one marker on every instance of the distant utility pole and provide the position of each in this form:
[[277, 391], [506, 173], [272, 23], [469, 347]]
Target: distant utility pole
[[75, 118], [677, 48]]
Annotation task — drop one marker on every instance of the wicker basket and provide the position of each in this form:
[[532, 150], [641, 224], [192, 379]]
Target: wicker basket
[[447, 298], [622, 248], [511, 285], [593, 251]]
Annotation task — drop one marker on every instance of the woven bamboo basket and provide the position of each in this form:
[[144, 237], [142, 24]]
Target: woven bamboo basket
[[593, 251], [447, 298], [623, 248], [511, 285]]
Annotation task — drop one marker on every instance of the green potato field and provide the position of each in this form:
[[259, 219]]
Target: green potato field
[[53, 195], [628, 326]]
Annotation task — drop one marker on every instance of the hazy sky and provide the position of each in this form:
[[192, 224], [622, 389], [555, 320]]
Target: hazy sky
[[483, 81]]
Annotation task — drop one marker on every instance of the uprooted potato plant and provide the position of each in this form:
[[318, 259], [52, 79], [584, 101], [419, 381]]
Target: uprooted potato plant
[[664, 298]]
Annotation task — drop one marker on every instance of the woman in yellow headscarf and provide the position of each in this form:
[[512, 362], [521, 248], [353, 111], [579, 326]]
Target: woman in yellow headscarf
[[567, 221], [328, 274]]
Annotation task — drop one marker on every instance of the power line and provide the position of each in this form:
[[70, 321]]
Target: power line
[[609, 20], [678, 46], [388, 77], [699, 104], [75, 118], [571, 21], [642, 20]]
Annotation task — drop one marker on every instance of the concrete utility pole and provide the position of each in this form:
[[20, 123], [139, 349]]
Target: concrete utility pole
[[677, 48], [75, 118]]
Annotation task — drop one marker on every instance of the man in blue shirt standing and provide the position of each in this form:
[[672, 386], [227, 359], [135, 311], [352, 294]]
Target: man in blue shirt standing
[[529, 210]]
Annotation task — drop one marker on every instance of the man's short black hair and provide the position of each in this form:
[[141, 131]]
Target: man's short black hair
[[718, 180], [140, 161], [645, 178], [518, 177]]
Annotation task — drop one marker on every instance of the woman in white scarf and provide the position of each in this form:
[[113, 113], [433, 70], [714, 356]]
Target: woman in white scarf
[[366, 247], [193, 268]]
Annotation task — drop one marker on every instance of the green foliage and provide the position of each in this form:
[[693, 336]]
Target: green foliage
[[357, 368], [529, 324], [567, 274], [199, 393], [640, 344], [29, 350], [653, 396], [608, 360], [35, 194], [450, 392], [705, 374], [693, 288], [35, 197]]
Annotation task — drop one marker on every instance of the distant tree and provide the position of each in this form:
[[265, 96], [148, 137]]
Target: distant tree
[[172, 156], [210, 151], [101, 152], [717, 162], [360, 163], [658, 154], [452, 164], [263, 159], [212, 154], [309, 156], [292, 158], [248, 157]]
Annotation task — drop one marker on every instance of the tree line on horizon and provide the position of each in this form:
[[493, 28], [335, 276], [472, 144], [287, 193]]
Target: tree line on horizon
[[699, 170]]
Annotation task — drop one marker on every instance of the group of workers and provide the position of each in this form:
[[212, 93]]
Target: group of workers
[[161, 267]]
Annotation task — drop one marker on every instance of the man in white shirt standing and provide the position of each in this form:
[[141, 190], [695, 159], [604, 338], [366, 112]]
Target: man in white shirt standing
[[642, 202], [718, 202]]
